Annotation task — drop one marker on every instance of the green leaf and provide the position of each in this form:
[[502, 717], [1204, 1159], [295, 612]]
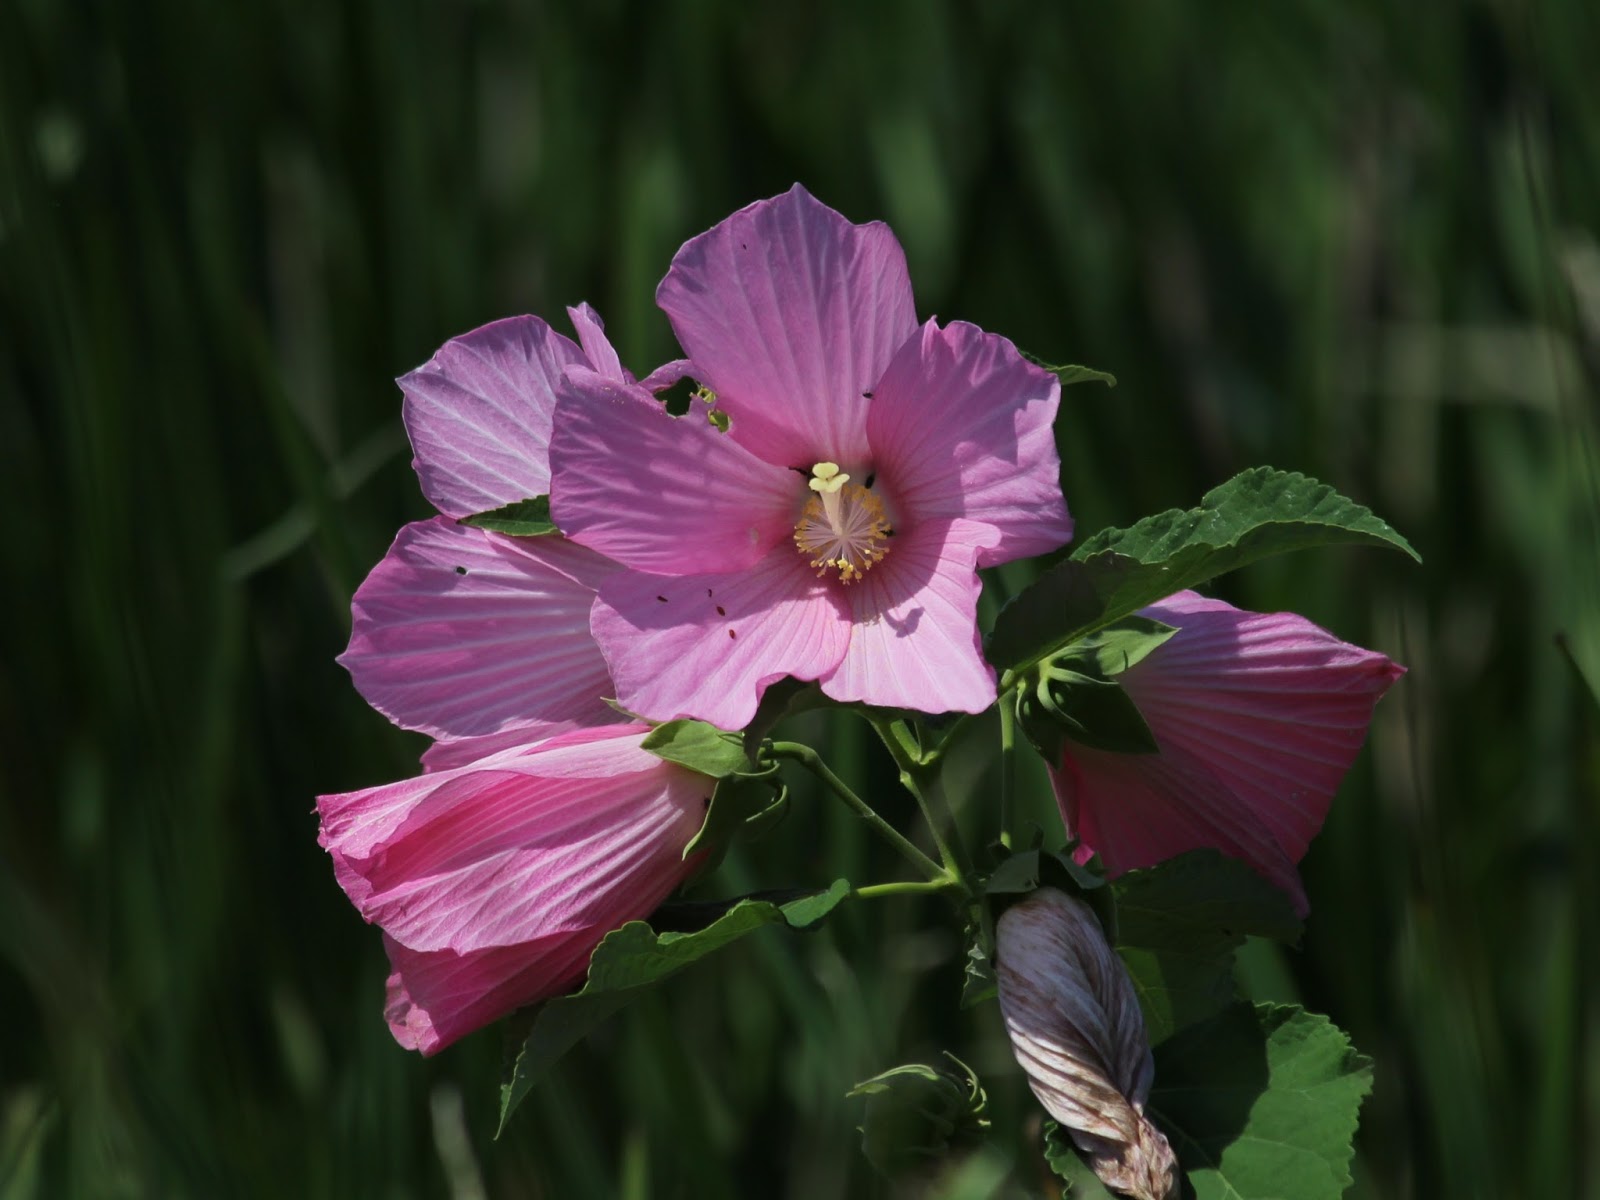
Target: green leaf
[[1177, 928], [1256, 514], [523, 518], [1261, 1102], [1070, 375], [1115, 648], [698, 746], [633, 958]]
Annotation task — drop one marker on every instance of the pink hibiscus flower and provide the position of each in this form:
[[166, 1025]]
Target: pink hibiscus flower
[[493, 882], [1258, 716], [869, 467], [480, 640]]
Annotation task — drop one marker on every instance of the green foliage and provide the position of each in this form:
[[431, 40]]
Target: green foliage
[[698, 746], [1070, 375], [1261, 1102], [521, 518], [1177, 928], [741, 806], [1257, 514], [630, 960], [1258, 1103], [917, 1114]]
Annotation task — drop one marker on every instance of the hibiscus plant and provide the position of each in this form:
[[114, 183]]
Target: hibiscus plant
[[632, 582]]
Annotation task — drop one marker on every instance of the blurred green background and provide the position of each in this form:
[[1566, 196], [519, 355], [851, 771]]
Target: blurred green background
[[1354, 239]]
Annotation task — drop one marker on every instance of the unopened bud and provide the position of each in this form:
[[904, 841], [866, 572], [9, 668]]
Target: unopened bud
[[1077, 1031]]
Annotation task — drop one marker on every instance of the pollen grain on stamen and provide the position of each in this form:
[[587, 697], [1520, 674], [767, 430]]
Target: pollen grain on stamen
[[842, 527]]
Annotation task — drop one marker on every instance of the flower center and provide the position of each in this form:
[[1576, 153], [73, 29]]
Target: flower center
[[842, 526]]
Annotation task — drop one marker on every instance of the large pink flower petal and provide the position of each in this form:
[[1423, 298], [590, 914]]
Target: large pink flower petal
[[1275, 707], [459, 632], [478, 414], [668, 495], [1136, 810], [584, 831], [962, 426], [914, 640], [707, 646], [438, 996], [791, 313]]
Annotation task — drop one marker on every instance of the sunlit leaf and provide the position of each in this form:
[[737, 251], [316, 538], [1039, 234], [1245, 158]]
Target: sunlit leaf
[[523, 518], [698, 746], [1256, 514], [1261, 1103]]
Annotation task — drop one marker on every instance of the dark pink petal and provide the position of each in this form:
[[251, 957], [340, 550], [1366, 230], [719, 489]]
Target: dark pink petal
[[479, 411], [459, 632], [582, 832], [597, 347], [448, 753], [791, 313], [1275, 707], [1136, 810], [668, 495], [914, 639], [438, 996], [707, 646], [962, 426]]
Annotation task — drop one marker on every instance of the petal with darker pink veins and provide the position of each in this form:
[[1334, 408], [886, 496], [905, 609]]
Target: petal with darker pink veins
[[479, 412], [586, 830], [707, 646], [914, 636], [1274, 706], [963, 427], [459, 632], [791, 313], [436, 997], [664, 494], [1135, 810]]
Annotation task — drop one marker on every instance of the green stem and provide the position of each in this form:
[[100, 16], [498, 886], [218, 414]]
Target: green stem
[[921, 779], [1008, 747], [910, 887], [811, 761]]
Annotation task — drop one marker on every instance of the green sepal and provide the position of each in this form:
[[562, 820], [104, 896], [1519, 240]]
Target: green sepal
[[742, 806], [1066, 704], [916, 1114], [521, 518], [631, 959], [1256, 514], [1074, 694], [698, 746]]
